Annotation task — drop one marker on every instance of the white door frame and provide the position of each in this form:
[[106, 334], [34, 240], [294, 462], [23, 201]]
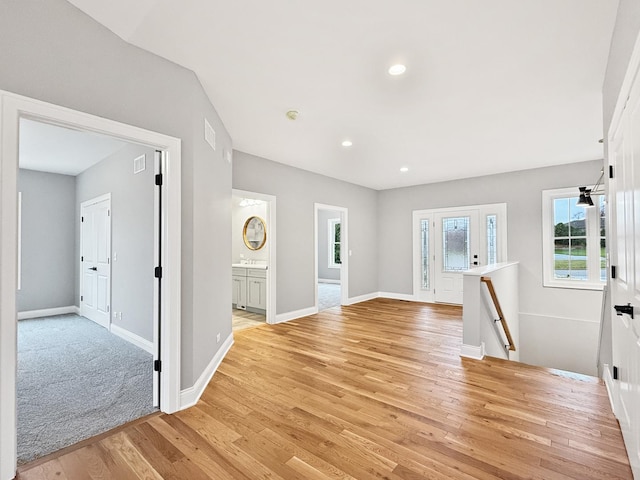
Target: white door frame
[[83, 205], [344, 249], [498, 209], [270, 200], [12, 108]]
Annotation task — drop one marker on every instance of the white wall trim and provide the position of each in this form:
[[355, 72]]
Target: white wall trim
[[398, 296], [190, 396], [48, 312], [132, 338], [363, 298], [608, 382], [329, 280], [304, 312], [596, 320], [472, 351]]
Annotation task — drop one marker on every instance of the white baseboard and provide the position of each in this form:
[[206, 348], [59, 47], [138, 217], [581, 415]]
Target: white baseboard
[[363, 298], [472, 351], [398, 296], [329, 280], [132, 338], [305, 312], [48, 312], [190, 396]]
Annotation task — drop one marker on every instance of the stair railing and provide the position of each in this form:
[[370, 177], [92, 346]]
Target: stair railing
[[503, 322]]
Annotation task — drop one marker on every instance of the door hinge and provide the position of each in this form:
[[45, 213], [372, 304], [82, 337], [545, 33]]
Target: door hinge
[[613, 271], [108, 308], [615, 373], [108, 213], [157, 366], [610, 171], [81, 298], [82, 259], [158, 272], [81, 219], [159, 179]]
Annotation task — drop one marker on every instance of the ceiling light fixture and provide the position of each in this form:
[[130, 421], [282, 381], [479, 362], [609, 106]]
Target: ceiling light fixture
[[347, 143], [292, 114], [404, 169], [250, 202], [398, 69]]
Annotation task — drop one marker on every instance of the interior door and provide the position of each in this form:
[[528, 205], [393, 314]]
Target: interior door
[[457, 247], [95, 262], [624, 195]]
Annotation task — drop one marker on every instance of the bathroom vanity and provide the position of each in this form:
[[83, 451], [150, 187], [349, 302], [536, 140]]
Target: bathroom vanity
[[249, 288]]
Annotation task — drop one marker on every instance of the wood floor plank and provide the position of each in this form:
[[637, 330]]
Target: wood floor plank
[[373, 390]]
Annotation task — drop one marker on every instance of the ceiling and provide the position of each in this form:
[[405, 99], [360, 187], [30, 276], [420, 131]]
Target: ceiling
[[54, 149], [490, 86]]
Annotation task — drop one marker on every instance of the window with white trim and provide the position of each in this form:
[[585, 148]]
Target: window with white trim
[[334, 243], [573, 240]]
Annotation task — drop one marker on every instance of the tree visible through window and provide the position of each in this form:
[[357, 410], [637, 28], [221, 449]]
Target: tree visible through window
[[334, 243]]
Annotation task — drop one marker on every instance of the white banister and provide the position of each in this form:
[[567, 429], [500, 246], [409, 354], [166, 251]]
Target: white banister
[[491, 327]]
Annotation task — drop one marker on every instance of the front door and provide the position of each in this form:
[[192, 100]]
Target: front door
[[624, 199], [457, 242], [95, 260]]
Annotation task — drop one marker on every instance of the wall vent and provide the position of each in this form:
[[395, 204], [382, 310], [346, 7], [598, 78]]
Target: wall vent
[[209, 134], [139, 164]]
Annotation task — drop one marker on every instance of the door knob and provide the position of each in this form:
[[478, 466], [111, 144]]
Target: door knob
[[620, 309], [93, 268]]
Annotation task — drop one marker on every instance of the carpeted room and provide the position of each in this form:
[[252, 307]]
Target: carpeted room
[[77, 378]]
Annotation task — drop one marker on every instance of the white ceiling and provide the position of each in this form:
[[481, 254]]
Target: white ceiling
[[491, 86], [54, 149]]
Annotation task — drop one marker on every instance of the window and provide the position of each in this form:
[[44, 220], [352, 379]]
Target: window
[[573, 240], [334, 243], [424, 251], [492, 239]]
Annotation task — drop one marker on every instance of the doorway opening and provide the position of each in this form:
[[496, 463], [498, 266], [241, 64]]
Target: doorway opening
[[166, 227], [331, 257], [253, 259], [448, 241]]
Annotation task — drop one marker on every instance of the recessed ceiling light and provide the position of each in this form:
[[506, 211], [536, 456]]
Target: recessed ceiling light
[[404, 169], [398, 69], [292, 114], [347, 143]]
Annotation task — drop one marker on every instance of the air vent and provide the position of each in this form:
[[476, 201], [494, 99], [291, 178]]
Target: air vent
[[139, 164], [209, 134]]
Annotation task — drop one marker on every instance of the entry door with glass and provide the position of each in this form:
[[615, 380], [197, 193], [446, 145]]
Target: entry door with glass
[[449, 241]]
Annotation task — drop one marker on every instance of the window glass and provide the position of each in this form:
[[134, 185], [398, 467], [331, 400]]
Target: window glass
[[492, 239], [424, 248], [335, 259], [455, 245], [570, 240]]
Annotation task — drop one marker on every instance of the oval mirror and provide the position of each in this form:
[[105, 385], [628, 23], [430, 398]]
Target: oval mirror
[[254, 233]]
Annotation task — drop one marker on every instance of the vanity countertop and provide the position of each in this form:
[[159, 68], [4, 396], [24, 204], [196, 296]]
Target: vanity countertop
[[258, 266]]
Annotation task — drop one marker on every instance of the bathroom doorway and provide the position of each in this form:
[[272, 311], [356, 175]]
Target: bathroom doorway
[[253, 259], [331, 256]]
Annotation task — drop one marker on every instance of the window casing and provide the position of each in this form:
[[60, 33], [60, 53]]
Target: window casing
[[334, 243], [573, 241]]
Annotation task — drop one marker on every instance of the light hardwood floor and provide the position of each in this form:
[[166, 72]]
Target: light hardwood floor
[[374, 390], [242, 319]]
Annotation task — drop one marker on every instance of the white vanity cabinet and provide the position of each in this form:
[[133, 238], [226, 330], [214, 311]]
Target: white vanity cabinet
[[257, 289], [249, 289]]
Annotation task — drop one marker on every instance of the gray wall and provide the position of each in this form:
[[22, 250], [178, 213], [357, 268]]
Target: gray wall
[[48, 240], [324, 272], [132, 236], [53, 52], [296, 191], [549, 316]]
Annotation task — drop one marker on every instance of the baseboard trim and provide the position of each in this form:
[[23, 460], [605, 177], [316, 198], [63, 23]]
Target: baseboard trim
[[329, 280], [132, 338], [305, 312], [190, 396], [48, 312], [472, 351], [363, 298], [398, 296]]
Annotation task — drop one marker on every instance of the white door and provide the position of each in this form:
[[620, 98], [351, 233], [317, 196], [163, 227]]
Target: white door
[[624, 198], [457, 248], [95, 260]]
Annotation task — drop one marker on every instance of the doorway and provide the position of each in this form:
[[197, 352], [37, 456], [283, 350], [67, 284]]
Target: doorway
[[253, 261], [15, 108], [331, 256], [448, 241]]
